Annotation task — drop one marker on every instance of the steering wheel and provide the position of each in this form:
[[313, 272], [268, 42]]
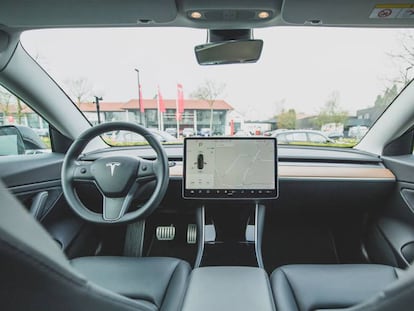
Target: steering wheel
[[117, 177]]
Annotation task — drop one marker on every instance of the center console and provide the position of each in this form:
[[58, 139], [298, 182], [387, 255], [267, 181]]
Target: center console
[[231, 177], [230, 235], [228, 288]]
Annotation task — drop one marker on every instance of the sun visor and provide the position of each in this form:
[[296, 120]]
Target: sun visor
[[52, 13], [348, 13]]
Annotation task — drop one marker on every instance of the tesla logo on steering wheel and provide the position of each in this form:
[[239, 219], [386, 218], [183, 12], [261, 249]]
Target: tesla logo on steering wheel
[[113, 165]]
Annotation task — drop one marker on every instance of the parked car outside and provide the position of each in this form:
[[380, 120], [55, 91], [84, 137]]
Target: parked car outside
[[188, 131], [302, 136], [274, 132], [172, 131], [205, 132], [125, 137], [357, 131], [241, 133], [335, 135]]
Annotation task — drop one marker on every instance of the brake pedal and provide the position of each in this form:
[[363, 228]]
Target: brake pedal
[[165, 233], [191, 234]]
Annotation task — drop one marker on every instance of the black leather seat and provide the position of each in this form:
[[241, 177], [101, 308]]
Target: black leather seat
[[158, 281], [36, 275], [320, 287]]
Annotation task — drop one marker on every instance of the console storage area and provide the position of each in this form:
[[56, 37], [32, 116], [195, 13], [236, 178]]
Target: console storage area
[[228, 288]]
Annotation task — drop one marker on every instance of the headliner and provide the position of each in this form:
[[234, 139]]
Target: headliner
[[217, 14]]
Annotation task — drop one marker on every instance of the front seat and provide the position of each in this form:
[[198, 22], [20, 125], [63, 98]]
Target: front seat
[[36, 275], [329, 287]]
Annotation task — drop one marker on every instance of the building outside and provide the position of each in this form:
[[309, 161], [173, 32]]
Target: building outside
[[234, 122], [368, 116], [196, 114], [363, 119], [23, 116], [257, 127]]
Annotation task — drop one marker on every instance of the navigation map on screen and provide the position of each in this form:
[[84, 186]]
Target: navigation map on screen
[[230, 167]]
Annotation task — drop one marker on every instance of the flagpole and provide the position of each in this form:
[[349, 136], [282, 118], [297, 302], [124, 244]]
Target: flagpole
[[158, 109], [139, 98], [177, 116]]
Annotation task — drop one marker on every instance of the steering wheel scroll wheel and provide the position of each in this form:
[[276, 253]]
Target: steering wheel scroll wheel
[[118, 177]]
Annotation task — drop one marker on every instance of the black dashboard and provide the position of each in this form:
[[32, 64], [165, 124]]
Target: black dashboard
[[323, 174]]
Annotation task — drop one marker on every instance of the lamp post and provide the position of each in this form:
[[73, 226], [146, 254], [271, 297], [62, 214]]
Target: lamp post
[[139, 97], [97, 99]]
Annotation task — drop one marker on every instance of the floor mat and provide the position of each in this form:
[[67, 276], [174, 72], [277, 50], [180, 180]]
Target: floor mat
[[299, 237], [287, 245]]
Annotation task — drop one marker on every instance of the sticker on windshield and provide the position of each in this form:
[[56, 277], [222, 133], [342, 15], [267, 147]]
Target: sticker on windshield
[[388, 11]]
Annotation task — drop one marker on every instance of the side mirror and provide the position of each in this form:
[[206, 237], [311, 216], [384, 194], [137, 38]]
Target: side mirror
[[11, 141]]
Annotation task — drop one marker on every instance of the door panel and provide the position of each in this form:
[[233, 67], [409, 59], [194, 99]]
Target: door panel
[[24, 170], [391, 236], [35, 180]]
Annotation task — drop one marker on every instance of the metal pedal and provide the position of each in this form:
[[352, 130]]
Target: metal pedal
[[165, 233], [191, 234]]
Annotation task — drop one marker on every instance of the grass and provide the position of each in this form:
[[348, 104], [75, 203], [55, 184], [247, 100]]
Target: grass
[[345, 143], [113, 143], [46, 140]]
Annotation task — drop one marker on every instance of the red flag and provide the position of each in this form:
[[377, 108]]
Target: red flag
[[180, 98], [180, 102], [141, 102], [231, 127], [161, 106], [177, 113]]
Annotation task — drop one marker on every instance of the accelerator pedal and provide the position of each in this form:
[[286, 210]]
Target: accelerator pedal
[[191, 234], [165, 233]]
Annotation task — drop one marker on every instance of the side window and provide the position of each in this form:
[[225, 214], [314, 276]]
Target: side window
[[281, 138], [299, 137], [22, 130], [316, 138]]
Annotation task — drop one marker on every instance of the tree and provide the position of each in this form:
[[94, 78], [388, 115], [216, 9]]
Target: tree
[[5, 101], [404, 58], [331, 112], [287, 119], [79, 89], [209, 91], [19, 112], [387, 97]]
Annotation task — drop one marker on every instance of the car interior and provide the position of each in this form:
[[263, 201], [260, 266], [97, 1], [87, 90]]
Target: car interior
[[207, 222]]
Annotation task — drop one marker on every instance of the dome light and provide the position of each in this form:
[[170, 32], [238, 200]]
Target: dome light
[[263, 15], [196, 15]]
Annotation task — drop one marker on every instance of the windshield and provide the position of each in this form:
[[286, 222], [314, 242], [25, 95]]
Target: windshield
[[311, 86]]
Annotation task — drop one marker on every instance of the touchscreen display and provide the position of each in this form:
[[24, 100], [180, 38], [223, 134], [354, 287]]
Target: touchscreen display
[[228, 167]]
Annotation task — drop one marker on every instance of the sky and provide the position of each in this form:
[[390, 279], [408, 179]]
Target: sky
[[299, 67]]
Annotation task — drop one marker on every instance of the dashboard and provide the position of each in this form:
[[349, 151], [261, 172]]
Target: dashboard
[[324, 174], [294, 162], [320, 173]]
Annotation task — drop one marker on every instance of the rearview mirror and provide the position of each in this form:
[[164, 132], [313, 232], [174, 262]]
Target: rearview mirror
[[11, 141], [229, 52]]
